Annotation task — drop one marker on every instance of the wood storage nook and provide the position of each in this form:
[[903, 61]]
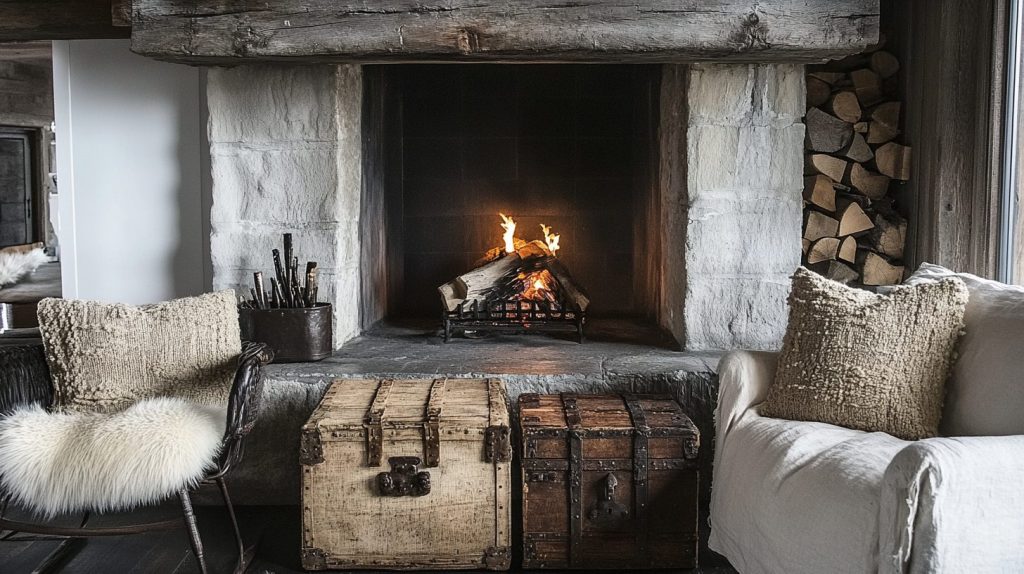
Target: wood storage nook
[[609, 481], [407, 474]]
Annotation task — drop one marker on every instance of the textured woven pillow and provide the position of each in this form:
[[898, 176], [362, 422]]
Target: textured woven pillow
[[865, 361], [105, 357]]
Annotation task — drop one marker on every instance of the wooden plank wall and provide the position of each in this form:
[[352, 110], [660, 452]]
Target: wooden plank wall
[[953, 57]]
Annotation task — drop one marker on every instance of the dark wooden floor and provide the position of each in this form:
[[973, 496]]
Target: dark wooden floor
[[274, 528]]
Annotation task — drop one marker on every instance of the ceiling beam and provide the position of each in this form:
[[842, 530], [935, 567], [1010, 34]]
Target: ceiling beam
[[24, 20], [235, 31]]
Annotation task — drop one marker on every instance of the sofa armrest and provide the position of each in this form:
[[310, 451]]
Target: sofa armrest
[[954, 505], [743, 380]]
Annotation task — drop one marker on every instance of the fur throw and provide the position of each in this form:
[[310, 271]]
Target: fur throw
[[55, 463], [16, 264]]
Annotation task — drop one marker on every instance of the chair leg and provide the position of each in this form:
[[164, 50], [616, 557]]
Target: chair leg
[[193, 530], [244, 555]]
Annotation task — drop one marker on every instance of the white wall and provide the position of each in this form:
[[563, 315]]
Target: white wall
[[131, 159]]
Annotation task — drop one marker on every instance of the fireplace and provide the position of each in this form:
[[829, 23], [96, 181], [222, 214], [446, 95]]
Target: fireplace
[[676, 189], [567, 147]]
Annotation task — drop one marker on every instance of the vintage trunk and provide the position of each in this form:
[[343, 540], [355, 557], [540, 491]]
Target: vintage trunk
[[609, 481], [407, 474]]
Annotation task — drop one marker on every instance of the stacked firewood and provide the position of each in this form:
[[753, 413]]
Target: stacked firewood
[[853, 163]]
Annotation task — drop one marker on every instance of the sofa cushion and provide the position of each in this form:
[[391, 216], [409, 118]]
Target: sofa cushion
[[866, 361], [104, 357], [985, 393], [792, 496]]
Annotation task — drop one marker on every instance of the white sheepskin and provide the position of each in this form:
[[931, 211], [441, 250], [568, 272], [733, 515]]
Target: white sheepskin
[[54, 463], [14, 265]]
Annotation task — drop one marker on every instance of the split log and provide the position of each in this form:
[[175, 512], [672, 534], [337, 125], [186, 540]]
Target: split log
[[805, 244], [888, 237], [570, 290], [848, 249], [825, 132], [885, 122], [833, 79], [858, 150], [824, 249], [884, 64], [852, 219], [867, 85], [844, 105], [448, 297], [819, 190], [860, 127], [532, 249], [837, 271], [887, 113], [818, 92], [877, 271], [477, 284], [893, 160], [819, 225], [833, 167], [869, 184]]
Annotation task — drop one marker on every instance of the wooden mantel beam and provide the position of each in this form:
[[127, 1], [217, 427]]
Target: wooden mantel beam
[[26, 20], [235, 31]]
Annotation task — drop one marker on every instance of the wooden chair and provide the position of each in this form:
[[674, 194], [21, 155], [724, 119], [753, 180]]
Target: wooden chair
[[242, 411]]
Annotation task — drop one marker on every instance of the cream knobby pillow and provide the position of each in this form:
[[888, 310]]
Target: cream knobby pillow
[[865, 361], [105, 357]]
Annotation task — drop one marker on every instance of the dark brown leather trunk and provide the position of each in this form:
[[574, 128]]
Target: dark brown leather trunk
[[609, 481]]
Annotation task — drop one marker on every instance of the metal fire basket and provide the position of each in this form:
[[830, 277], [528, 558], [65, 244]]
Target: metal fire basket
[[515, 316]]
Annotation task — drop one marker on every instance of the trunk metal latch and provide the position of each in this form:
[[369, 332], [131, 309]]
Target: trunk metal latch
[[405, 478]]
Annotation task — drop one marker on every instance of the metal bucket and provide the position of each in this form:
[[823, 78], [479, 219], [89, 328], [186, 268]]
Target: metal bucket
[[295, 335]]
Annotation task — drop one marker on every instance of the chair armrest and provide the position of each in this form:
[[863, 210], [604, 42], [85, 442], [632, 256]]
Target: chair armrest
[[243, 404], [24, 377], [743, 380], [954, 505]]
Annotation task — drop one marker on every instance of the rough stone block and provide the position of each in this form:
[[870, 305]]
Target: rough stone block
[[290, 184], [249, 247], [263, 103], [346, 284], [720, 94], [738, 94], [735, 236], [785, 92], [736, 312], [766, 161]]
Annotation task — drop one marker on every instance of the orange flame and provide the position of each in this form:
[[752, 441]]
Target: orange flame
[[550, 238], [538, 286], [509, 225]]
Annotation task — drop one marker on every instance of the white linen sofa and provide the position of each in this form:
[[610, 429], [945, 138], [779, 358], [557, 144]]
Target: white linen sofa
[[792, 497]]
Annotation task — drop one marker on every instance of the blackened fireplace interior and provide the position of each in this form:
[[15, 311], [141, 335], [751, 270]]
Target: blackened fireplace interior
[[449, 147]]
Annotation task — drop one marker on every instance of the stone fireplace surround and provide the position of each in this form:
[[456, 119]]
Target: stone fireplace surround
[[288, 145]]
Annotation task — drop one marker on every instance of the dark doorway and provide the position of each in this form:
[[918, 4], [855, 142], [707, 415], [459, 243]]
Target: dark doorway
[[19, 192]]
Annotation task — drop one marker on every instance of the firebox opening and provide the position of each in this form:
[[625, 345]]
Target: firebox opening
[[561, 149]]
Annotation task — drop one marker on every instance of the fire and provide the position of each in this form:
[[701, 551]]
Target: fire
[[509, 225], [537, 286], [550, 238]]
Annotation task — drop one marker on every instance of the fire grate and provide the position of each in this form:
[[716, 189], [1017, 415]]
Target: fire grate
[[515, 316]]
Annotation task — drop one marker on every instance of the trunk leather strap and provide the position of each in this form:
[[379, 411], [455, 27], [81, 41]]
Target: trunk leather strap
[[372, 422], [432, 422]]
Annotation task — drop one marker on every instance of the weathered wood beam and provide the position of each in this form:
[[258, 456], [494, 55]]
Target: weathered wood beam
[[232, 31], [23, 20]]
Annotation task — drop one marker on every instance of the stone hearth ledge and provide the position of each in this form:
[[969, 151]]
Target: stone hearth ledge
[[620, 357]]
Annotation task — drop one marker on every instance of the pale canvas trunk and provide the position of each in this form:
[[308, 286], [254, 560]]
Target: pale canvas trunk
[[458, 432]]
